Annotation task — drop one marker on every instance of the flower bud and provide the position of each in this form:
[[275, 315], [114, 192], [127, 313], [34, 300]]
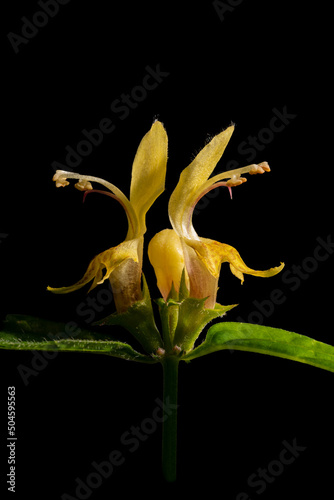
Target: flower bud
[[166, 256]]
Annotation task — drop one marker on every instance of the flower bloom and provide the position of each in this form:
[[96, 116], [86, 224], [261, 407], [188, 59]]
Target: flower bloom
[[122, 264], [182, 247]]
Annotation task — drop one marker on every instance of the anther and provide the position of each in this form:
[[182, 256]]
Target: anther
[[60, 179], [260, 168], [83, 185], [235, 181]]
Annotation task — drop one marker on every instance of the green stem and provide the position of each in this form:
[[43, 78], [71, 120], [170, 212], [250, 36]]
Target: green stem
[[169, 429]]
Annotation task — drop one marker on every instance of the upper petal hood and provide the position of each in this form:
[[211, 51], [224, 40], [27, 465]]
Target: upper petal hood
[[203, 257], [192, 178], [148, 172]]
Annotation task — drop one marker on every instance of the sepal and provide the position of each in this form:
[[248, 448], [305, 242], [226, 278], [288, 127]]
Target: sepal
[[193, 317], [138, 319], [183, 318]]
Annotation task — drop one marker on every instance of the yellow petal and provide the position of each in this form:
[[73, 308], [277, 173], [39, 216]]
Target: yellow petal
[[201, 282], [166, 256], [213, 254], [148, 172], [192, 179], [108, 260]]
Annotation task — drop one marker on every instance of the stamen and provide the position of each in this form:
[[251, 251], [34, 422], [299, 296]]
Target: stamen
[[61, 176], [203, 193], [84, 184], [233, 176], [111, 196], [100, 191], [213, 186]]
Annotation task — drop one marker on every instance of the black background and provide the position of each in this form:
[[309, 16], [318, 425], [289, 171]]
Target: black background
[[236, 409]]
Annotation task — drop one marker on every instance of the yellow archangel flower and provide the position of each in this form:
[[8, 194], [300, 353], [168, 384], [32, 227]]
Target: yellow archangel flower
[[122, 264], [173, 250]]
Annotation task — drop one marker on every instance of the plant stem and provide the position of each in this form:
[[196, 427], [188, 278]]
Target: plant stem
[[169, 426]]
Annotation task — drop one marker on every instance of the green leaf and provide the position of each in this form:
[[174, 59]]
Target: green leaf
[[21, 332], [265, 340]]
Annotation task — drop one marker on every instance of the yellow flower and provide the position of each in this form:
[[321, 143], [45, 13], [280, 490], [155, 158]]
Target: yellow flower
[[201, 257], [122, 264]]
